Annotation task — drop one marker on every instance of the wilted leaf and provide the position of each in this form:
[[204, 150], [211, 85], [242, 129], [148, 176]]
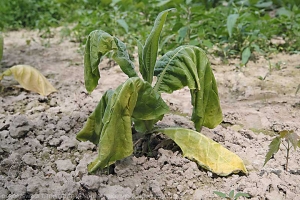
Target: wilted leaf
[[93, 127], [110, 123], [273, 148], [30, 79], [98, 44], [189, 66], [206, 152], [231, 21]]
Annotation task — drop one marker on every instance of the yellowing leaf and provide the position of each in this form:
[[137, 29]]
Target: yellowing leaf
[[30, 79], [206, 152]]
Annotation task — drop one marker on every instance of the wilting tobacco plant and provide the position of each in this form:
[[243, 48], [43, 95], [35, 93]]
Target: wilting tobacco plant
[[136, 104]]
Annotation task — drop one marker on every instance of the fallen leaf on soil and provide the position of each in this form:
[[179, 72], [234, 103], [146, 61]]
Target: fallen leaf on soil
[[30, 79], [206, 152]]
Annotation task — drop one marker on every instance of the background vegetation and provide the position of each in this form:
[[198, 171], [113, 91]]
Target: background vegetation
[[225, 28]]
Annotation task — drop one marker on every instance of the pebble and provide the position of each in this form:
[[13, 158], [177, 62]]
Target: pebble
[[64, 165]]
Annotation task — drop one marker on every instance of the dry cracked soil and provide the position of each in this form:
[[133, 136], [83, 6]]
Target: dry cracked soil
[[41, 159]]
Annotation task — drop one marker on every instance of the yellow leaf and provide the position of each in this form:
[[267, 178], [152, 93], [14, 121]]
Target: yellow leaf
[[206, 152], [30, 79]]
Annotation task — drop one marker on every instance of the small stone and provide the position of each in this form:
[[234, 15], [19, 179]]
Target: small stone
[[84, 146], [91, 182], [155, 188], [64, 165], [54, 141], [67, 143], [16, 189], [116, 192], [29, 159]]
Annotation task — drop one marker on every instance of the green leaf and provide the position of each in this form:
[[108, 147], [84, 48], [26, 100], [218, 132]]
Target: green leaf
[[241, 194], [30, 79], [1, 46], [273, 148], [231, 21], [123, 24], [151, 47], [93, 127], [291, 137], [189, 66], [98, 44], [246, 55], [231, 194], [121, 56], [110, 123], [220, 194], [206, 152]]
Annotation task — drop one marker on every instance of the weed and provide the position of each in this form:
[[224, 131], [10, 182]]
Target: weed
[[231, 195], [289, 139]]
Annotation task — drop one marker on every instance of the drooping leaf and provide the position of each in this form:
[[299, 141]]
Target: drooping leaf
[[206, 152], [93, 127], [110, 124], [1, 46], [189, 66], [121, 56], [231, 21], [246, 55], [273, 148], [151, 47], [30, 79], [98, 44]]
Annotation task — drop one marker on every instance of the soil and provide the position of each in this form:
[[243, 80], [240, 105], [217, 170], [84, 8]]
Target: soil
[[41, 159]]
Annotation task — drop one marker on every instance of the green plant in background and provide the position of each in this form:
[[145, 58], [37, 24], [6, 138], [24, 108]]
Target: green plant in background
[[231, 195], [289, 139], [1, 46], [137, 104]]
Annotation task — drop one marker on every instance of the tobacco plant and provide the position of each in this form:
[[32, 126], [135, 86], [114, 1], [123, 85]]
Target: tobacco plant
[[135, 104], [289, 139]]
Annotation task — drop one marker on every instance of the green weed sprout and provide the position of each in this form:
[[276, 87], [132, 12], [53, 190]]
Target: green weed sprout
[[231, 195], [288, 139]]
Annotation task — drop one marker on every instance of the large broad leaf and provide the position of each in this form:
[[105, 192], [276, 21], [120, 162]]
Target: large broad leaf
[[273, 148], [189, 66], [93, 127], [30, 79], [110, 124], [149, 54], [98, 44], [231, 21], [206, 152]]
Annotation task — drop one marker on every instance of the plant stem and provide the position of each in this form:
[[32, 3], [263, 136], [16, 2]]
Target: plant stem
[[287, 156]]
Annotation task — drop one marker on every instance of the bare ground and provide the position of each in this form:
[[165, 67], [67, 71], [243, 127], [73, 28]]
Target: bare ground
[[41, 159]]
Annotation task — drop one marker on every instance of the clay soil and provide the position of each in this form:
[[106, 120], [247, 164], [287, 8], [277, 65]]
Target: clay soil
[[41, 159]]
